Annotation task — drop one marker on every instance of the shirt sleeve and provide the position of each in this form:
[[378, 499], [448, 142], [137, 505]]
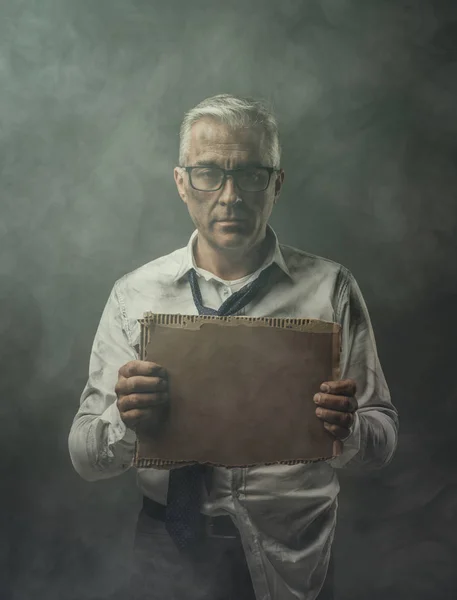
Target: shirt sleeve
[[374, 434], [100, 444]]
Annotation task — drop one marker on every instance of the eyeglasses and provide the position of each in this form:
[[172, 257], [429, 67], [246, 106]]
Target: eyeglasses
[[211, 179]]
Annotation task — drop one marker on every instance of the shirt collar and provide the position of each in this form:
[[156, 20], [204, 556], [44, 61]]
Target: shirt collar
[[275, 256]]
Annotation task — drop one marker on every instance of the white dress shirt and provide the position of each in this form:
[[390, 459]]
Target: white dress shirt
[[286, 515]]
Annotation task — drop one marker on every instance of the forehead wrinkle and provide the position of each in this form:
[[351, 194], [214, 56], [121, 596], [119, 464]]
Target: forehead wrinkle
[[213, 140], [211, 128]]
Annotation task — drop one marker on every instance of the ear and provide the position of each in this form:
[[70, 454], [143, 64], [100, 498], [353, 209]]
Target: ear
[[179, 175], [278, 184]]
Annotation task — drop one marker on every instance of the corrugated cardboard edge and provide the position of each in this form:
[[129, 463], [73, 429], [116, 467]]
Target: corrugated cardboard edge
[[194, 322], [158, 463]]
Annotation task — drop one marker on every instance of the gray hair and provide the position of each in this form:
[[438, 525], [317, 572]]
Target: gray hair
[[236, 112]]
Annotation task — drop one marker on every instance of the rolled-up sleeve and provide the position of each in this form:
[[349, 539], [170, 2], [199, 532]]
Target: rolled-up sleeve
[[374, 435], [100, 444]]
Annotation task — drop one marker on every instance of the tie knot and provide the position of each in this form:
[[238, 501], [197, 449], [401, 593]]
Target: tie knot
[[236, 302]]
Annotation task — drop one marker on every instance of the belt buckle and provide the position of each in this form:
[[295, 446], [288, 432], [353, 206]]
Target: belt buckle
[[209, 530]]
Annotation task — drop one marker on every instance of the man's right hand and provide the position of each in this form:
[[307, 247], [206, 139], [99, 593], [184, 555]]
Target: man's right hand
[[142, 395]]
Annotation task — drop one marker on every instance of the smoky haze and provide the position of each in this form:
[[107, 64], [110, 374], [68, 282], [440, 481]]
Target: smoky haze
[[92, 94]]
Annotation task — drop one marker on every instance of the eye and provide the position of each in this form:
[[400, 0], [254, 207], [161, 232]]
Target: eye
[[207, 172], [253, 173]]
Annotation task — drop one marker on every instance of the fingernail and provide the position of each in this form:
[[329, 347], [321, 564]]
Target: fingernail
[[317, 398], [319, 412], [324, 387]]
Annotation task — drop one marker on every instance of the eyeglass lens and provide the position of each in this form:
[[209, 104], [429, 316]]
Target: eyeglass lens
[[211, 178]]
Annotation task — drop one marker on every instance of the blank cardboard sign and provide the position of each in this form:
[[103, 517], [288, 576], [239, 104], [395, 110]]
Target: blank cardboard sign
[[241, 390]]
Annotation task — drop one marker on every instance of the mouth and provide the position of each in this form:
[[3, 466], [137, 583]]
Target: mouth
[[231, 220]]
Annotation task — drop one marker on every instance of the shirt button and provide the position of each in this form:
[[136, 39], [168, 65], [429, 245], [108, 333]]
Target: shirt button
[[226, 292]]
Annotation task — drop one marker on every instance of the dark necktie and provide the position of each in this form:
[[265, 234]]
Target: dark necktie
[[183, 519]]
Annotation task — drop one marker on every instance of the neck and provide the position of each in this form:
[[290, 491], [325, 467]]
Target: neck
[[230, 265]]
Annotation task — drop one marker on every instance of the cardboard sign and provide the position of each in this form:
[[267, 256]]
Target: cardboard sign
[[241, 390]]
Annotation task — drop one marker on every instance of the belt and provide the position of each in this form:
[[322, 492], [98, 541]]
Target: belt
[[215, 527]]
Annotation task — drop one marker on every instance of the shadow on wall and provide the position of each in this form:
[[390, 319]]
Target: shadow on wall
[[21, 330], [64, 539], [396, 530]]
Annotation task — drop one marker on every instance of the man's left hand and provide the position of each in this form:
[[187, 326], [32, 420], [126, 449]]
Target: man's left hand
[[336, 406]]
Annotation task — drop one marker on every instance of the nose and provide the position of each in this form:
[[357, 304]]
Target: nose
[[229, 193]]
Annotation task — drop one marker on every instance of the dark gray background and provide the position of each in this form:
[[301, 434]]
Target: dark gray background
[[92, 94]]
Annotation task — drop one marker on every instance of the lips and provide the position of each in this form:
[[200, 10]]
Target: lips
[[232, 220]]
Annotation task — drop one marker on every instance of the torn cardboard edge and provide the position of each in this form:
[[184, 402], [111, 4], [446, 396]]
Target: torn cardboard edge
[[158, 463], [195, 322], [166, 465]]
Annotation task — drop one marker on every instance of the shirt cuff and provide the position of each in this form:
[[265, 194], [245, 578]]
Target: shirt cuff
[[117, 430]]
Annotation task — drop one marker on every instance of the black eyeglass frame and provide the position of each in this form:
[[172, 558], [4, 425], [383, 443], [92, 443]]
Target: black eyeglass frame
[[229, 172]]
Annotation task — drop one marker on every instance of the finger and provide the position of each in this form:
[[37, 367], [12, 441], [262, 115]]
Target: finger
[[345, 387], [136, 417], [139, 384], [341, 403], [142, 367], [340, 433], [141, 401], [342, 419]]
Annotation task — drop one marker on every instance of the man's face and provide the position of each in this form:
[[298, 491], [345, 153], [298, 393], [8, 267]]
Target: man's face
[[213, 144]]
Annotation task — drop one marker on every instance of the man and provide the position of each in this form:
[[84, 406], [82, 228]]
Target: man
[[263, 532]]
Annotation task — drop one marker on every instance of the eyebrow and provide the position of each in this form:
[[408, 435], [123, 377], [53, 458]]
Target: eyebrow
[[205, 163], [209, 163]]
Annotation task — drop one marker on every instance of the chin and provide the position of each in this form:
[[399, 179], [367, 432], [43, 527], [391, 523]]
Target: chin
[[231, 241], [241, 233]]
